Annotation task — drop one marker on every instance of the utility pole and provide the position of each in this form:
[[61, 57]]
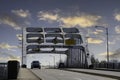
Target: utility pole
[[107, 44]]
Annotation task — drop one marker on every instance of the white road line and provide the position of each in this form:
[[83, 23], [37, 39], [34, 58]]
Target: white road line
[[61, 74], [77, 79]]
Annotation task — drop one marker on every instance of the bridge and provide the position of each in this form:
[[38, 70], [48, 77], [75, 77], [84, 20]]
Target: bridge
[[66, 41], [12, 71]]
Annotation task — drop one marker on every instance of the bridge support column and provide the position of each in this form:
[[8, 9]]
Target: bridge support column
[[24, 47], [76, 57]]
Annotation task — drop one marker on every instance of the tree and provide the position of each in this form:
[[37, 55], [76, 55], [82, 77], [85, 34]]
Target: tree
[[93, 60]]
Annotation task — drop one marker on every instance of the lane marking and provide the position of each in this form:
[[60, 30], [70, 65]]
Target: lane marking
[[78, 78], [61, 74]]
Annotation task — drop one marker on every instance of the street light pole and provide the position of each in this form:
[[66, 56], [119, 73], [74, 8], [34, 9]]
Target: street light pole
[[107, 44], [22, 46], [107, 48]]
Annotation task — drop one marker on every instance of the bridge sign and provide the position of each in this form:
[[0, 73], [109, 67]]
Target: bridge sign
[[70, 42]]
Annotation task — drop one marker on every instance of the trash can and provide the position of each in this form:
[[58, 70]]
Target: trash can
[[13, 69]]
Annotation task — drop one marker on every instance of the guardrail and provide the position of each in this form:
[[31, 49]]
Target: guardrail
[[9, 70]]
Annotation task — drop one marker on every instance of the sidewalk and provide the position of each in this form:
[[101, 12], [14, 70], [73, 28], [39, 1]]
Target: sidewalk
[[110, 74], [26, 74]]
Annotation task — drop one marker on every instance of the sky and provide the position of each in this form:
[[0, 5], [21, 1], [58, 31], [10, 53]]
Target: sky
[[83, 14]]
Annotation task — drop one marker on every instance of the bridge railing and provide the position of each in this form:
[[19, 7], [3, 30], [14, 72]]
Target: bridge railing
[[110, 65], [3, 71]]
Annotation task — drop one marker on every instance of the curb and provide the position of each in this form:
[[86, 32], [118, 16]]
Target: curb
[[97, 74], [35, 74], [115, 70]]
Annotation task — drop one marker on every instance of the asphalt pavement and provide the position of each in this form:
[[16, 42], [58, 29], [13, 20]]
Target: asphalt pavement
[[54, 74], [105, 73], [26, 74]]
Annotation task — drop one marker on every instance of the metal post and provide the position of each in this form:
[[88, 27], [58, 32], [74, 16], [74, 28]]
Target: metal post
[[54, 61], [107, 49], [49, 64], [22, 46], [107, 45], [60, 57]]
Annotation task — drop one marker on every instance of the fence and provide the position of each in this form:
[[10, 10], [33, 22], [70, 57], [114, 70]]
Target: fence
[[9, 70], [110, 65], [3, 71]]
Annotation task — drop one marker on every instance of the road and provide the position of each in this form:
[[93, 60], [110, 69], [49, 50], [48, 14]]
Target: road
[[54, 74]]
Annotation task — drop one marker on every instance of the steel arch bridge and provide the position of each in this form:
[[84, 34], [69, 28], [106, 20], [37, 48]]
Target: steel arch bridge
[[55, 40]]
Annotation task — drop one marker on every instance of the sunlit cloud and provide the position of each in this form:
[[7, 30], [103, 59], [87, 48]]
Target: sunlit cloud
[[19, 36], [22, 13], [15, 58], [5, 59], [46, 16], [112, 42], [7, 55], [94, 41], [81, 21], [7, 46], [117, 29], [33, 38], [105, 54], [9, 21], [97, 32], [117, 16]]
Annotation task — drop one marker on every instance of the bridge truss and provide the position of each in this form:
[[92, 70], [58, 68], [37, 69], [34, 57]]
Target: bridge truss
[[55, 40]]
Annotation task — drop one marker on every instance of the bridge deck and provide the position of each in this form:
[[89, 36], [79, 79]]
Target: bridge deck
[[26, 74], [104, 73]]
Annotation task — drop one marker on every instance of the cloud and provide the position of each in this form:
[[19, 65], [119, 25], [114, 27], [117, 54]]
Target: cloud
[[7, 46], [116, 53], [81, 20], [117, 16], [117, 29], [22, 13], [8, 56], [112, 42], [15, 58], [46, 16], [98, 31], [10, 21], [94, 41], [19, 36], [105, 54]]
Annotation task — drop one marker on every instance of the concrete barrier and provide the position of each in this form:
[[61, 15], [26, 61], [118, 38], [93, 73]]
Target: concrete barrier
[[13, 69]]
